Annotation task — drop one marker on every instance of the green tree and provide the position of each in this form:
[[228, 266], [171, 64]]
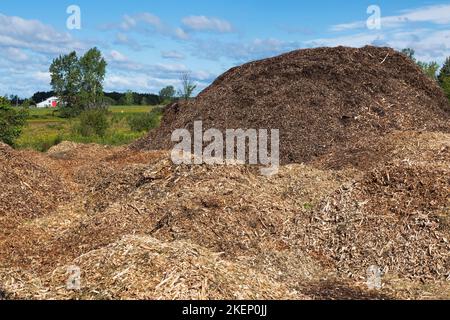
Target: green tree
[[144, 101], [79, 82], [12, 121], [93, 71], [167, 94], [445, 71], [66, 79], [430, 68], [444, 77], [188, 86], [129, 98]]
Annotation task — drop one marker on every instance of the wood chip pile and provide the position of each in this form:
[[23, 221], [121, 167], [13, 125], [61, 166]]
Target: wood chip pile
[[365, 183], [27, 189], [141, 267], [324, 101]]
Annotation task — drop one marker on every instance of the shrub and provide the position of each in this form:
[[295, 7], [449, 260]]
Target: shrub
[[12, 121], [93, 122], [145, 122]]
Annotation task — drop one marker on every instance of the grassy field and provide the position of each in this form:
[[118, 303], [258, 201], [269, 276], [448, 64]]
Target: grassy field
[[45, 129]]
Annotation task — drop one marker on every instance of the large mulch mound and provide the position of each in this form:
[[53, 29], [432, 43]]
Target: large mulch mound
[[28, 190], [325, 100]]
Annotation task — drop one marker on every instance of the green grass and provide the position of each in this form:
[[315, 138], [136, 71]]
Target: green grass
[[45, 129]]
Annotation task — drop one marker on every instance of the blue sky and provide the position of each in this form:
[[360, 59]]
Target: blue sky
[[148, 44]]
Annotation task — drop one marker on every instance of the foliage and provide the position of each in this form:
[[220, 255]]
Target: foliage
[[93, 71], [445, 84], [109, 98], [78, 81], [145, 122], [188, 86], [42, 96], [444, 77], [128, 98], [167, 94], [12, 121], [93, 122], [430, 69], [144, 101], [46, 129], [66, 79]]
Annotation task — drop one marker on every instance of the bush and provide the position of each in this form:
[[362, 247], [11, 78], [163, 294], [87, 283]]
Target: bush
[[93, 122], [69, 112], [145, 122], [12, 121]]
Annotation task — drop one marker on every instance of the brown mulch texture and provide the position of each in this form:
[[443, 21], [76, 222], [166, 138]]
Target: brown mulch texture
[[304, 233], [325, 100], [28, 190], [396, 217], [141, 267]]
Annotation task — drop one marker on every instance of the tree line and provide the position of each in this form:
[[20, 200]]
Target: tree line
[[441, 74]]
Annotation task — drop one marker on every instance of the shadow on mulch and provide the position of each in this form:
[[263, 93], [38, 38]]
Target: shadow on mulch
[[4, 295], [334, 290]]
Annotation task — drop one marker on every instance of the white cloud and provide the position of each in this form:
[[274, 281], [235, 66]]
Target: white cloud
[[181, 34], [143, 23], [117, 56], [21, 33], [172, 55], [354, 40], [14, 54], [130, 22], [203, 23], [242, 51], [41, 76], [437, 14]]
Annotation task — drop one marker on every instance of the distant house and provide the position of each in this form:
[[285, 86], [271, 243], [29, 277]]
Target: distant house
[[51, 102]]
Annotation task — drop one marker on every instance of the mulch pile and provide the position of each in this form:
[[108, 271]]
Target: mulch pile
[[365, 182], [395, 215], [323, 101], [141, 267], [28, 190]]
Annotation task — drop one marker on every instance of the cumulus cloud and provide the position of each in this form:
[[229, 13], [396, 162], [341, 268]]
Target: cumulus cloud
[[210, 24], [437, 14], [144, 23], [16, 32], [27, 47], [14, 54], [130, 22]]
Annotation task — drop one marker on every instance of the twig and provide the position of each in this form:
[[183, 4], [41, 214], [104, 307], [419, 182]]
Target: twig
[[385, 59]]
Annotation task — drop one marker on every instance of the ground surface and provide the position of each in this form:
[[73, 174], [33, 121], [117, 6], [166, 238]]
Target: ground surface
[[45, 128]]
